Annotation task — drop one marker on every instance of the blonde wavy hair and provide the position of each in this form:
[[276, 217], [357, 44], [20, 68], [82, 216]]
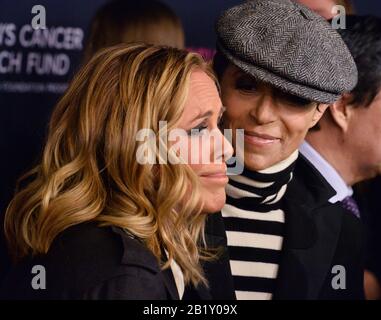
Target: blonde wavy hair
[[89, 171]]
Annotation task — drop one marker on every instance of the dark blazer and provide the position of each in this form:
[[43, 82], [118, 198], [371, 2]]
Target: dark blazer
[[218, 273], [318, 236], [91, 262]]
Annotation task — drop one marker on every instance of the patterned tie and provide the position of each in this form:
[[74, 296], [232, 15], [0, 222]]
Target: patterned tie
[[351, 206]]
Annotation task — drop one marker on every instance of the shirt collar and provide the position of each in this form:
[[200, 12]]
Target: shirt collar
[[327, 171]]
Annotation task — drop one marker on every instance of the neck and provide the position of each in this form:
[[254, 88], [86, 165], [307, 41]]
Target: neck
[[282, 165], [265, 188], [327, 144]]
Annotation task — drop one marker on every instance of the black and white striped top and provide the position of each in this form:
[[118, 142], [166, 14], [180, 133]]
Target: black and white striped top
[[254, 222]]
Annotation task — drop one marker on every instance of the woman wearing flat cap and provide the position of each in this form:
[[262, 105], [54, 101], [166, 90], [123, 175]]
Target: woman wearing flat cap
[[280, 66]]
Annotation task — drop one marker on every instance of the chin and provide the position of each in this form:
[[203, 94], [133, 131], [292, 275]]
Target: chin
[[214, 202], [371, 174], [259, 162]]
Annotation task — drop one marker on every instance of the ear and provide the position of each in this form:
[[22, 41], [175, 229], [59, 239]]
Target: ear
[[318, 113], [341, 112]]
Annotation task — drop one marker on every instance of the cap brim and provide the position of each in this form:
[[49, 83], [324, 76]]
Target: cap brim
[[279, 82]]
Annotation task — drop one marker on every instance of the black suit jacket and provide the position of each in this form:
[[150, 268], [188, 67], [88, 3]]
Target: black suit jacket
[[97, 263], [319, 235]]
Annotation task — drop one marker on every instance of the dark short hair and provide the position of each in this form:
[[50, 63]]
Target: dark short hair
[[220, 64], [363, 38]]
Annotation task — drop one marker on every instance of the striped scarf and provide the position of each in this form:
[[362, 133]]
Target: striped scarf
[[254, 222]]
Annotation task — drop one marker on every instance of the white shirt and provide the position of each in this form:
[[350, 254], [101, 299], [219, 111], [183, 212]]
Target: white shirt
[[327, 171], [179, 277]]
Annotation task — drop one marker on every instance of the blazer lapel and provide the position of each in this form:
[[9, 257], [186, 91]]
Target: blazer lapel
[[146, 259], [218, 273], [203, 292], [199, 293], [309, 248], [311, 236], [170, 284]]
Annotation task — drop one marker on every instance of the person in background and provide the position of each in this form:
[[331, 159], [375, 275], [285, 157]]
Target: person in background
[[284, 238], [367, 195], [127, 21], [340, 145], [324, 7], [103, 224], [345, 145]]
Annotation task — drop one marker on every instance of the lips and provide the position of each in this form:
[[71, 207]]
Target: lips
[[260, 139], [259, 135], [216, 175]]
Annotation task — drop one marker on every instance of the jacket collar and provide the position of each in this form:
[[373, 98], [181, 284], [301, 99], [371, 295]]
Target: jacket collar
[[136, 253], [317, 191], [311, 234], [170, 284], [342, 190], [218, 273]]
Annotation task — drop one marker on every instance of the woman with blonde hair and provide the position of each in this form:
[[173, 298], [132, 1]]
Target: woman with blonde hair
[[94, 221]]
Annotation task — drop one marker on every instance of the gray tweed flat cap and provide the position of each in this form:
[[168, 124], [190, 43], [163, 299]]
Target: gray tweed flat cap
[[288, 46]]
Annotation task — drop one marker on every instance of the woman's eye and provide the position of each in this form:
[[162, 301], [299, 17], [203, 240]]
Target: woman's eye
[[219, 121], [198, 131], [294, 101], [246, 85]]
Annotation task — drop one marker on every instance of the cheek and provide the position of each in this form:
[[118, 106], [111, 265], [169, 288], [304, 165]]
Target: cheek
[[199, 151], [192, 151], [197, 168], [237, 111], [295, 130], [365, 141], [376, 140]]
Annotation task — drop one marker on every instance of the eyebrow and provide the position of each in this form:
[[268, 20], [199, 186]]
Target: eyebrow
[[209, 113]]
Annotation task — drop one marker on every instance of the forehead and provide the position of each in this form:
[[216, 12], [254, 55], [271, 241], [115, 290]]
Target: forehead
[[203, 92], [318, 4]]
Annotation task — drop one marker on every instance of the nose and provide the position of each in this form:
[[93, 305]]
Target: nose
[[222, 148], [263, 110]]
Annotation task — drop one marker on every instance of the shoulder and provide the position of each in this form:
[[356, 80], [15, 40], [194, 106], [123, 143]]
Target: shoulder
[[309, 182], [311, 192], [87, 261], [307, 203], [352, 231], [316, 189], [108, 246], [331, 228]]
